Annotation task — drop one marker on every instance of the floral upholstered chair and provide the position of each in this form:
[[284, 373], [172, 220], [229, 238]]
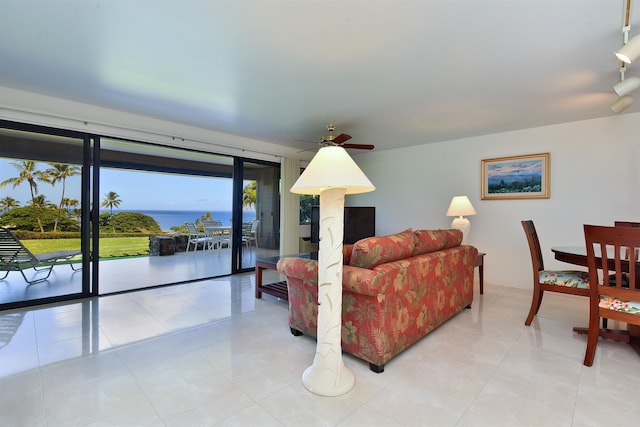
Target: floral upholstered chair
[[564, 281]]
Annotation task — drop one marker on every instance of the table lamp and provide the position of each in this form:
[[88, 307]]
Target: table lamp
[[332, 174], [459, 207]]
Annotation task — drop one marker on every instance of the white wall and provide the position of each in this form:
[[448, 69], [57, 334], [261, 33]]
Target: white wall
[[594, 179]]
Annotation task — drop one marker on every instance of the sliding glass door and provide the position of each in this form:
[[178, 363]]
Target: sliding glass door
[[260, 212], [114, 214], [148, 195], [44, 240]]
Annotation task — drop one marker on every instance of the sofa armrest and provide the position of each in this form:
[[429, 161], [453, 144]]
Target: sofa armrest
[[299, 268], [363, 281]]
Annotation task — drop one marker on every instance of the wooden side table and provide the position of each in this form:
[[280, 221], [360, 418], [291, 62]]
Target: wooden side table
[[277, 289], [480, 265]]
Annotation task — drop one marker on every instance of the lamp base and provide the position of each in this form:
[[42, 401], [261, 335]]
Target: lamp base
[[319, 380], [463, 224], [328, 376]]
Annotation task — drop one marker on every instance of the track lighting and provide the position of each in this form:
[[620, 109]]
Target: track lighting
[[630, 51], [622, 103], [625, 87]]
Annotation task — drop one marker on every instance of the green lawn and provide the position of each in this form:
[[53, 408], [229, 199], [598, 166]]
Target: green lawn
[[110, 247]]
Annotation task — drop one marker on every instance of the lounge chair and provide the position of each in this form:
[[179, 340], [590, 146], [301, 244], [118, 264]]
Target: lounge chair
[[14, 256]]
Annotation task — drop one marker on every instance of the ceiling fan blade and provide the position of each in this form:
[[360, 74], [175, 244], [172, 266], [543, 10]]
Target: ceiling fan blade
[[359, 146], [341, 138]]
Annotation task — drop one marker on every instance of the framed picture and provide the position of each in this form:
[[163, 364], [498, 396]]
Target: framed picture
[[516, 177]]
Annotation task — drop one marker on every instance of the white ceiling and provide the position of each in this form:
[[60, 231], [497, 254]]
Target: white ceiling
[[389, 73]]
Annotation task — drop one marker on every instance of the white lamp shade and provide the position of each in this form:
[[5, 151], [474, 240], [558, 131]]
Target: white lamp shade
[[625, 87], [332, 167], [460, 206], [630, 51], [622, 103]]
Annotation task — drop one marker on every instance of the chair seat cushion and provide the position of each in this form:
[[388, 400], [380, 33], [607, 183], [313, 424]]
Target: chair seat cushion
[[568, 278], [615, 304]]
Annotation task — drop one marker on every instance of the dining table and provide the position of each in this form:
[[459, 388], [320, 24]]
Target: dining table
[[218, 234], [577, 255]]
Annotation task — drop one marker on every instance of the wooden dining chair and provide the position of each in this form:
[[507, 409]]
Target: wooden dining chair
[[626, 253], [572, 282], [610, 296]]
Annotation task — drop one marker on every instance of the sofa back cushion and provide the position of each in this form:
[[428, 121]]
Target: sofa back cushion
[[428, 241], [373, 251]]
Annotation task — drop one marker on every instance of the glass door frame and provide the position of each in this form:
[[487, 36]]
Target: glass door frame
[[239, 177], [90, 202], [85, 191]]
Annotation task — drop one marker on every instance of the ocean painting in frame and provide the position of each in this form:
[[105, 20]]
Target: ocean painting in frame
[[516, 177]]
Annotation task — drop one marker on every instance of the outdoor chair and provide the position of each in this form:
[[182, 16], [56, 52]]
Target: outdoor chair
[[196, 237], [563, 281], [250, 233], [14, 256]]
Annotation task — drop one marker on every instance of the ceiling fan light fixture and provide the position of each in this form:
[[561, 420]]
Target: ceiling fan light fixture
[[630, 51], [622, 103]]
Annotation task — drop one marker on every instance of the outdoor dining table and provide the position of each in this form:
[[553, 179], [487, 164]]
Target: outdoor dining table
[[218, 232], [577, 255]]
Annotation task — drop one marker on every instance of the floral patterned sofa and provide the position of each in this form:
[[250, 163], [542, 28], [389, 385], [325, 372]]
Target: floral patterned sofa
[[396, 289]]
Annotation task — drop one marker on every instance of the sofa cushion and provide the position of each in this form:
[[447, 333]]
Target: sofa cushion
[[376, 250], [428, 241]]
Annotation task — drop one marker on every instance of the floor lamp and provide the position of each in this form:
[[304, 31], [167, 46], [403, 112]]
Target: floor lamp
[[332, 174]]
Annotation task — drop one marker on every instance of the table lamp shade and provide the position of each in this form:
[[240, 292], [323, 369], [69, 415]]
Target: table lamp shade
[[460, 206], [332, 167]]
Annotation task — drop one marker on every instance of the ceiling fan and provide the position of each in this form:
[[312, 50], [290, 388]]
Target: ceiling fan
[[339, 140]]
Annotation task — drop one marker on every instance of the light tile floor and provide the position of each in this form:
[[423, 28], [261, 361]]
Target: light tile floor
[[209, 353]]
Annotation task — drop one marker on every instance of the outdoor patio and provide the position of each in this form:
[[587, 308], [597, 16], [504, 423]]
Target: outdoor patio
[[123, 274]]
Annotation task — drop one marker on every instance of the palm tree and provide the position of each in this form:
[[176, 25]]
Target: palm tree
[[111, 199], [249, 194], [72, 207], [41, 201], [8, 203], [60, 172], [28, 173]]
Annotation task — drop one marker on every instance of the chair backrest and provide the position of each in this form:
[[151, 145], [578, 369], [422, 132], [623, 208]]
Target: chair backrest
[[254, 226], [191, 227], [246, 228], [606, 247], [628, 224], [12, 250], [534, 245]]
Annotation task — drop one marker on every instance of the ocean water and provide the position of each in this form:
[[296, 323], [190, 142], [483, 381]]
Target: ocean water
[[167, 219]]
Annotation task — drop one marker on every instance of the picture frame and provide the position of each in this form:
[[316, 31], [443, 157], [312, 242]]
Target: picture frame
[[516, 177]]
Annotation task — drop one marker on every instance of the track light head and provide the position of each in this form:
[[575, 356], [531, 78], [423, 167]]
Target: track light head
[[630, 51], [625, 87], [622, 103]]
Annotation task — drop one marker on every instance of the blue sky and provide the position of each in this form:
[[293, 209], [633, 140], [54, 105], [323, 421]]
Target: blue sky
[[137, 190]]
